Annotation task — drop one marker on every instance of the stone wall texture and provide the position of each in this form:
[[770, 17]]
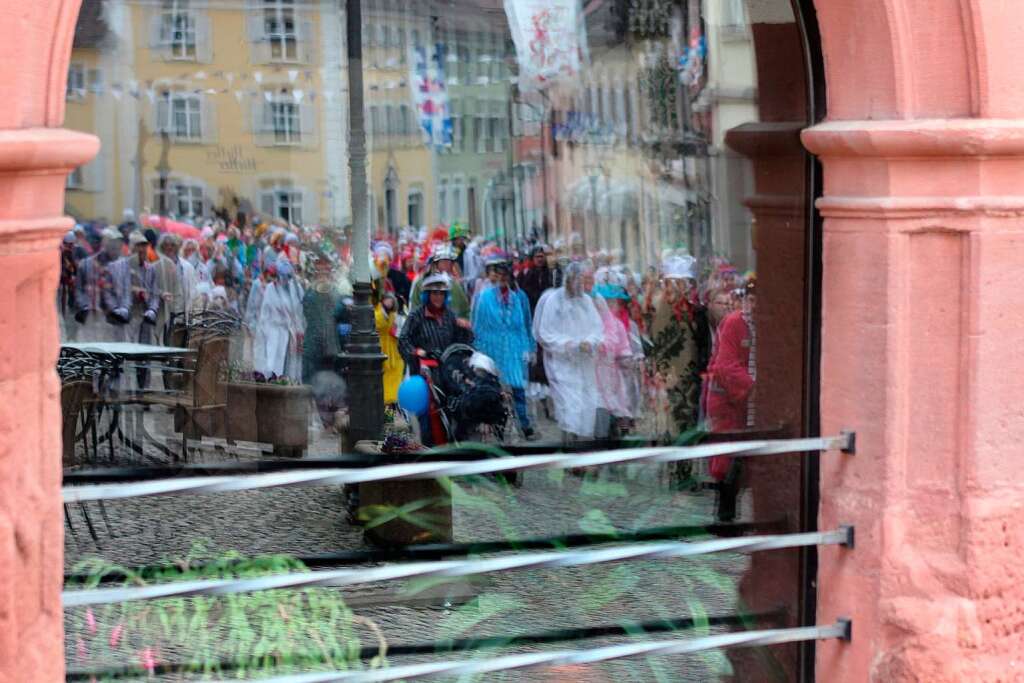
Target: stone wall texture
[[922, 351], [35, 158]]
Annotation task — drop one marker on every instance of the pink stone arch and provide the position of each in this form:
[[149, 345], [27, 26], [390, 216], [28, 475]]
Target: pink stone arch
[[35, 158], [917, 59], [923, 611], [923, 203]]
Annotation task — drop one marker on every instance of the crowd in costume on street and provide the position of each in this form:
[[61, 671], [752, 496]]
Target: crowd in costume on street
[[578, 337]]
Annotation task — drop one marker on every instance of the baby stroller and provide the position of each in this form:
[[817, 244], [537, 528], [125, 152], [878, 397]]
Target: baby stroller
[[464, 383]]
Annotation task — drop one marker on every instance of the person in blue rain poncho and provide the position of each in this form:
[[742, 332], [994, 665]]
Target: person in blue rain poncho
[[501, 325]]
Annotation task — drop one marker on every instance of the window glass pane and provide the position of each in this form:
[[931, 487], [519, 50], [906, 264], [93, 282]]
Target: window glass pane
[[620, 158]]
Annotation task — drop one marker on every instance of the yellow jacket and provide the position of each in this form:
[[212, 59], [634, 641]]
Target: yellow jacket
[[394, 366]]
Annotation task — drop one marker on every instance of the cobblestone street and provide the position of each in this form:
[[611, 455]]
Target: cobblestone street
[[310, 520]]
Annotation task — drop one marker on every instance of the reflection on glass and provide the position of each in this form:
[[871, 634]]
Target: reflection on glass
[[602, 200]]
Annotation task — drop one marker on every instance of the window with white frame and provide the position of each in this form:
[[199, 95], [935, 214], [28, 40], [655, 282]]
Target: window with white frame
[[180, 115], [76, 81], [497, 129], [178, 29], [76, 179], [480, 127], [401, 44], [286, 121], [189, 200], [163, 197], [377, 116], [734, 14], [458, 209], [177, 197], [280, 29], [391, 121], [458, 132], [415, 208], [464, 72], [442, 200], [284, 203], [405, 120]]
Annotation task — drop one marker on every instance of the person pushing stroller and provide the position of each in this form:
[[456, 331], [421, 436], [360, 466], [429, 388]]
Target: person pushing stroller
[[429, 330]]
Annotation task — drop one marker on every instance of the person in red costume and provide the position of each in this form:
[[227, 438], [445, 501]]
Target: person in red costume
[[725, 389], [727, 381]]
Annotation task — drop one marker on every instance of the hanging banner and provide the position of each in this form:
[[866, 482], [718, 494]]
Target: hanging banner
[[550, 40], [692, 70], [430, 95]]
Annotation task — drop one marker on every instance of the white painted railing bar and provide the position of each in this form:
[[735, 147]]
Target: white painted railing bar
[[434, 470], [466, 667], [456, 568]]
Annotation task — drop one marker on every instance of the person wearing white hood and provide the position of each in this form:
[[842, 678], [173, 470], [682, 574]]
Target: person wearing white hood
[[190, 253], [569, 329], [273, 330], [253, 350], [297, 319]]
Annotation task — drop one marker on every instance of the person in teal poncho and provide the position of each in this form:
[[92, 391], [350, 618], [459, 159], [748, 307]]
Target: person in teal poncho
[[501, 325]]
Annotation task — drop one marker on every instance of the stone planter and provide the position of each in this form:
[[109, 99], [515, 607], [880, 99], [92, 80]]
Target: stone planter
[[375, 496], [282, 417], [241, 412]]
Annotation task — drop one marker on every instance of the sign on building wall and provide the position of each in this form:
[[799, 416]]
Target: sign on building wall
[[550, 40], [430, 94]]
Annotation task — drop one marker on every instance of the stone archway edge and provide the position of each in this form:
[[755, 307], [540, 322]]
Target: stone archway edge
[[913, 139], [56, 150]]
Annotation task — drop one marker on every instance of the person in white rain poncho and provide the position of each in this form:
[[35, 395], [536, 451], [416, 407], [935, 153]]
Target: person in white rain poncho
[[273, 327], [251, 320], [297, 319], [569, 329]]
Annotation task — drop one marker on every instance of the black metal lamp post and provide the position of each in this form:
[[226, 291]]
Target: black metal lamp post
[[362, 356]]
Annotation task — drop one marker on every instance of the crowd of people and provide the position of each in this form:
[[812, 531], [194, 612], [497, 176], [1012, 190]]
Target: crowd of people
[[577, 336]]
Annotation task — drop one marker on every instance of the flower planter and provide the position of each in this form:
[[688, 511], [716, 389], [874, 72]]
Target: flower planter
[[282, 417]]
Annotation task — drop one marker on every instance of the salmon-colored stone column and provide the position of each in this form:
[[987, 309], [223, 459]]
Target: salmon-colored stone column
[[923, 338], [779, 208], [35, 158]]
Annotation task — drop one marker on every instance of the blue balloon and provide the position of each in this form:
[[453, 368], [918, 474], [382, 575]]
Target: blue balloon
[[413, 395]]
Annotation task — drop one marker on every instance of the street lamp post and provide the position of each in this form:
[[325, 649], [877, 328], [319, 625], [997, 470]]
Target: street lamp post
[[363, 357]]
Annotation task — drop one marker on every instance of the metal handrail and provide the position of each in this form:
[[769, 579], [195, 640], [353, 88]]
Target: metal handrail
[[452, 569], [841, 629], [436, 470]]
